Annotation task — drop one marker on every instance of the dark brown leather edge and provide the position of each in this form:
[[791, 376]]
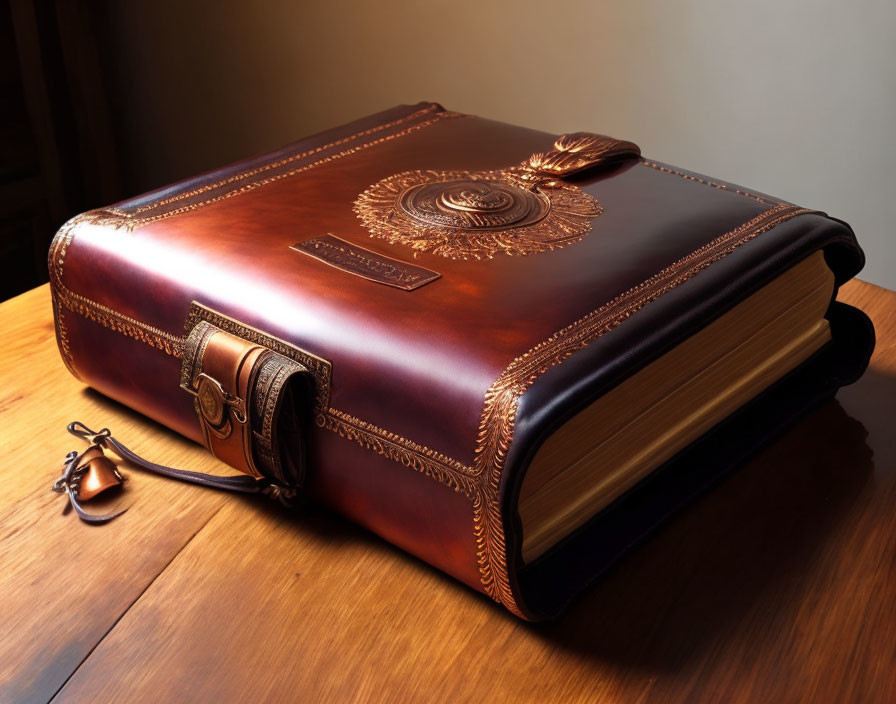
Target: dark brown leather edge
[[311, 142], [650, 333], [546, 588]]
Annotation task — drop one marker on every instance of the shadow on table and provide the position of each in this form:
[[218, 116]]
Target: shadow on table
[[306, 516], [748, 544], [747, 547]]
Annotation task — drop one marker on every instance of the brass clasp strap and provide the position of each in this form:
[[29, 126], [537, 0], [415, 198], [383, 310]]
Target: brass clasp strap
[[252, 403]]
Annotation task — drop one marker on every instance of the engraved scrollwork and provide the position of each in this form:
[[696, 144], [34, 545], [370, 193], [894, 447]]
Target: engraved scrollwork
[[498, 421], [475, 214], [574, 152], [480, 482], [521, 210], [474, 204]]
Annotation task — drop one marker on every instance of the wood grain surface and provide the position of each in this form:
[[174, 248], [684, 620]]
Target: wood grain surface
[[779, 586]]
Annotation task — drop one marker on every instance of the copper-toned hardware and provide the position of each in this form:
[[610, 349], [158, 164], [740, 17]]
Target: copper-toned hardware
[[87, 474], [239, 378], [91, 467], [476, 214], [320, 368], [210, 398], [519, 210], [97, 473], [219, 374], [474, 204], [576, 152]]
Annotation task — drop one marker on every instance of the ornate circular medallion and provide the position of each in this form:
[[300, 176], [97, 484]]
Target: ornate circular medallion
[[468, 204], [475, 215]]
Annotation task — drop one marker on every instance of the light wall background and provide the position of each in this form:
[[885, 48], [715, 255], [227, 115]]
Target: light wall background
[[795, 98]]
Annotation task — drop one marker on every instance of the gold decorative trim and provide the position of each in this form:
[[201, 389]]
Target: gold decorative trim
[[420, 458], [481, 481], [520, 210], [711, 184], [62, 340], [55, 258], [497, 424], [63, 297], [320, 368], [243, 175], [273, 374], [105, 316], [192, 353], [123, 219]]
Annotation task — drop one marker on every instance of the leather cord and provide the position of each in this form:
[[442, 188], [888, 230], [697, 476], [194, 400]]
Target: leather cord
[[240, 483]]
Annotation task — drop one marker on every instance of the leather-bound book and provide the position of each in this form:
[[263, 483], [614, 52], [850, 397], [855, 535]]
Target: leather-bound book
[[512, 354]]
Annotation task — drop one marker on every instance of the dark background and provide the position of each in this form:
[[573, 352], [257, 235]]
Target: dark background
[[56, 137], [104, 99]]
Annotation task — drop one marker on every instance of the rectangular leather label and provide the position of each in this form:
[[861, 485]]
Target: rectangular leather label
[[362, 262]]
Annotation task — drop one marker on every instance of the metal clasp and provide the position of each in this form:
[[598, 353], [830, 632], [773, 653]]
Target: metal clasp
[[79, 430]]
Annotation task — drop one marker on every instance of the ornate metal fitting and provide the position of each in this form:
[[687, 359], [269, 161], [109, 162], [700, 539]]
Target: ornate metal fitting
[[93, 437], [470, 203], [87, 475], [477, 214], [576, 152], [213, 402]]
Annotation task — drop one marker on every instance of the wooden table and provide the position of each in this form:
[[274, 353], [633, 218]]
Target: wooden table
[[779, 586]]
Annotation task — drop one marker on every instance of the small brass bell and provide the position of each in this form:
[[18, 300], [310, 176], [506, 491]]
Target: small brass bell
[[100, 474], [86, 475]]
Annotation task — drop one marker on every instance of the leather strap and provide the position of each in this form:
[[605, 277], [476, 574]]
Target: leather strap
[[246, 405], [239, 483], [252, 404], [220, 381], [77, 466]]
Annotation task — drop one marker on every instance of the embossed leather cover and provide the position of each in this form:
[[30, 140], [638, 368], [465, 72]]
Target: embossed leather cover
[[454, 288]]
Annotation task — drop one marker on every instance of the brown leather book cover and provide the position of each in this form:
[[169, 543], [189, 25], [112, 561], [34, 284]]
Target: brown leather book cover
[[393, 315]]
